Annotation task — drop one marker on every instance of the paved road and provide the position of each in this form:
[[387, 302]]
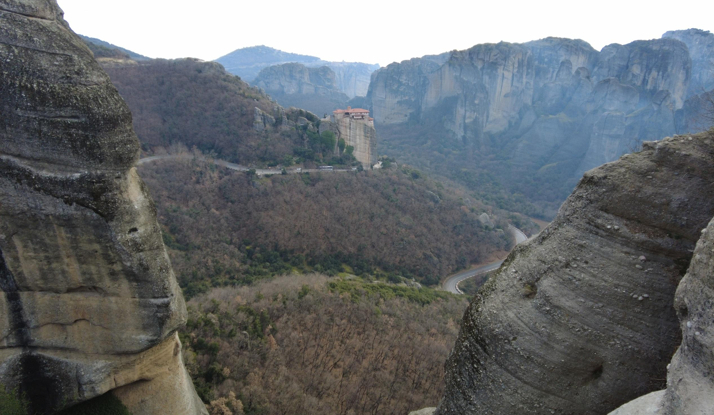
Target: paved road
[[238, 167], [452, 283]]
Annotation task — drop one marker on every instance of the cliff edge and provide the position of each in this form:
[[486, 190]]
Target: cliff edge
[[89, 302]]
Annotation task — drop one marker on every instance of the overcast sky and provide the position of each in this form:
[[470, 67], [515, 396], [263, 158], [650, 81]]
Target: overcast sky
[[371, 31]]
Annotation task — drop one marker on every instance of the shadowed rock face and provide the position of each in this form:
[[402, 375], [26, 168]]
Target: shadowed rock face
[[690, 385], [88, 294], [582, 318]]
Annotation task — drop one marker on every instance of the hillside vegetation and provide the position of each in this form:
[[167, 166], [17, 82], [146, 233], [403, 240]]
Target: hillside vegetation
[[225, 227], [317, 345], [187, 102], [198, 104]]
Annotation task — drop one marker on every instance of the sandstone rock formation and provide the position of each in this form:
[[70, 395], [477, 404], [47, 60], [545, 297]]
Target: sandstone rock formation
[[581, 319], [550, 109], [295, 85], [89, 302], [690, 381], [357, 132]]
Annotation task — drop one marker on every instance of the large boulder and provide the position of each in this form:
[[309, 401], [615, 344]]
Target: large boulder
[[581, 319], [89, 302]]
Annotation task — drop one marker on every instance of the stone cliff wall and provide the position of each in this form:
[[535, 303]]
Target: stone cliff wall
[[551, 109], [89, 302], [359, 134], [295, 85], [582, 319]]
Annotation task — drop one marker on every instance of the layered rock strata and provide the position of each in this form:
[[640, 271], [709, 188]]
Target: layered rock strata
[[89, 302], [581, 319], [690, 378]]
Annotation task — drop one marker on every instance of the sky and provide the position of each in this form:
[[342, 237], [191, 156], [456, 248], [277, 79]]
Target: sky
[[370, 31]]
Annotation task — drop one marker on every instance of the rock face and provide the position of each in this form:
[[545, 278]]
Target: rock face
[[581, 319], [295, 85], [550, 109], [358, 133], [701, 49], [352, 78], [89, 302], [690, 385]]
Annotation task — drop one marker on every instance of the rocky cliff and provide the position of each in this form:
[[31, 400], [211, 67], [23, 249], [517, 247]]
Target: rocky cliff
[[89, 303], [701, 49], [295, 85], [549, 109], [352, 78], [581, 319], [357, 133]]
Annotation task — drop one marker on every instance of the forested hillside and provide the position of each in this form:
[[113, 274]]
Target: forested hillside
[[198, 104], [313, 345], [224, 227]]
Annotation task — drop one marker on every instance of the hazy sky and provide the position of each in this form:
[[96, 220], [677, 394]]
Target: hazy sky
[[372, 31]]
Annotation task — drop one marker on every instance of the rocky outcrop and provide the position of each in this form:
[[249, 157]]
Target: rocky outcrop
[[295, 85], [550, 109], [581, 319], [89, 302], [352, 78], [395, 91], [701, 49], [357, 133], [690, 385]]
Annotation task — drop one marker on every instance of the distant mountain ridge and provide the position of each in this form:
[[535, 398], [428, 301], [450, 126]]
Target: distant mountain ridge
[[352, 77]]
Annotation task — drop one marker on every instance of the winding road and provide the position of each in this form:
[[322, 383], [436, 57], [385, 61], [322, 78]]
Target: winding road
[[233, 166], [452, 283]]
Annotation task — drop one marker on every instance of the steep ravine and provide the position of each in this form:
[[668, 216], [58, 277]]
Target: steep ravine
[[581, 319], [89, 302]]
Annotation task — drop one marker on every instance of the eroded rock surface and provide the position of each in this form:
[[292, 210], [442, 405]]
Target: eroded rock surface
[[88, 294], [296, 85], [581, 319], [690, 381]]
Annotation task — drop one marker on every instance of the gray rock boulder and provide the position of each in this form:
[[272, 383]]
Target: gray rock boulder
[[581, 319]]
